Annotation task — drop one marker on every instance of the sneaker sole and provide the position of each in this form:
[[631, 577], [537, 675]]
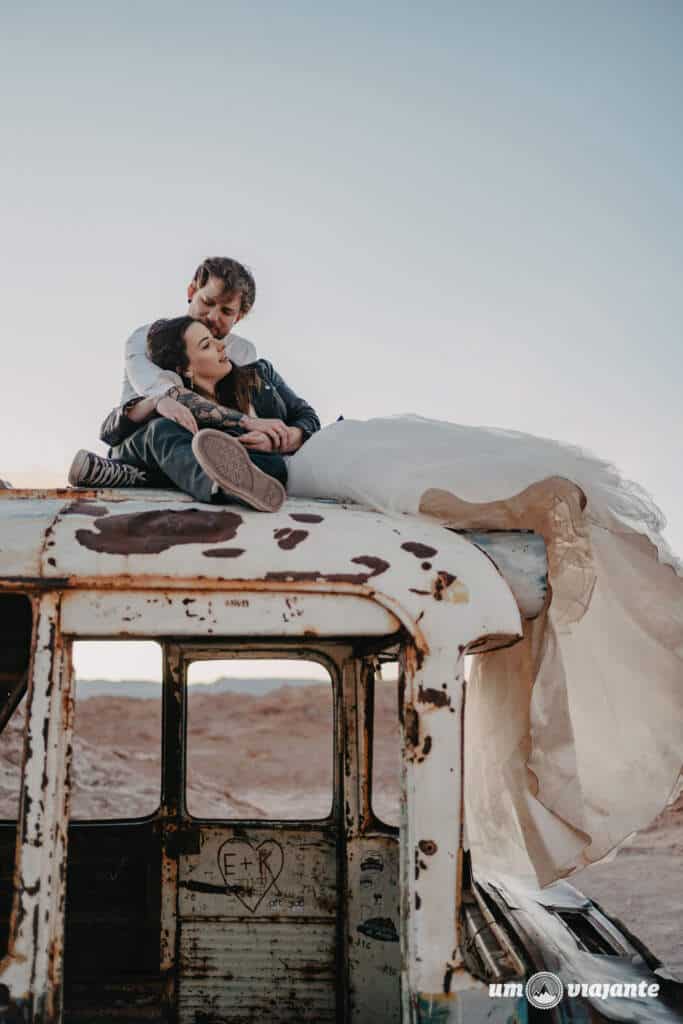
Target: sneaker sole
[[78, 467], [228, 464]]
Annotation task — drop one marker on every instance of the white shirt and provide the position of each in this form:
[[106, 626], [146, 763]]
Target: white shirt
[[143, 377]]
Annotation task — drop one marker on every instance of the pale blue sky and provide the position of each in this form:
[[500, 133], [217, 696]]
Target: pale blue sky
[[466, 210]]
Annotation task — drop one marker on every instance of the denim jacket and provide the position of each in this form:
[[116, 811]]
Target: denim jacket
[[273, 400]]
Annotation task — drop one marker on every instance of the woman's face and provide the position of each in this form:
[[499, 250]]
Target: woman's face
[[206, 355]]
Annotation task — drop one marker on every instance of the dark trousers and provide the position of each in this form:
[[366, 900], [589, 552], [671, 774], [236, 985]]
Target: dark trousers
[[164, 449]]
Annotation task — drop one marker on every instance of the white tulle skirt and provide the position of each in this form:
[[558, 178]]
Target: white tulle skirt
[[574, 736]]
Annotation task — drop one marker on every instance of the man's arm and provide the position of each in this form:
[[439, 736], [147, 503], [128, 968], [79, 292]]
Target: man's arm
[[142, 375], [119, 424], [125, 419]]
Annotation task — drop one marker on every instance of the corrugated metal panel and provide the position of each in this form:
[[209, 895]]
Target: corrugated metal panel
[[239, 971]]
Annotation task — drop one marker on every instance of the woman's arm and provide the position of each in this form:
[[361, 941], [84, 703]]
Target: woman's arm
[[206, 412]]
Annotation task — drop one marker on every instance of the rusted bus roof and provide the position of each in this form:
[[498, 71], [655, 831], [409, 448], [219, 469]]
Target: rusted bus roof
[[88, 535], [97, 540]]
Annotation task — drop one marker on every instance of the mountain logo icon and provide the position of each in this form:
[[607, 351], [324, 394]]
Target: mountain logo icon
[[544, 990]]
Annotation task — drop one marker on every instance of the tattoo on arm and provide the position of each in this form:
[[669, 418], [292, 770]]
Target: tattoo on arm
[[208, 413]]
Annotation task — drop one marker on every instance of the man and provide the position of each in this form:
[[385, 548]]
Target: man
[[220, 293]]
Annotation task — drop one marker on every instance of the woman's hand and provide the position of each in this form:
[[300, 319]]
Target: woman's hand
[[276, 430], [176, 411], [257, 441]]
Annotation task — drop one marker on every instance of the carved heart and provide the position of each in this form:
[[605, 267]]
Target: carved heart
[[250, 871]]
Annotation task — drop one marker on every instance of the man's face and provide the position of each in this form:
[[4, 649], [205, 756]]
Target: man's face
[[217, 309]]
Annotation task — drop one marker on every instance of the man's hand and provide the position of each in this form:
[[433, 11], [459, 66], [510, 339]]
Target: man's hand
[[176, 411], [256, 440], [276, 430]]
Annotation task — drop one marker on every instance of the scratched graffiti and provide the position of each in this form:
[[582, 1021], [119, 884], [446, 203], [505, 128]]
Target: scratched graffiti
[[251, 871]]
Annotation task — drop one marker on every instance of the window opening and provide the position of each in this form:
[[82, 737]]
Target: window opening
[[260, 739], [585, 932], [16, 625], [116, 767], [386, 746]]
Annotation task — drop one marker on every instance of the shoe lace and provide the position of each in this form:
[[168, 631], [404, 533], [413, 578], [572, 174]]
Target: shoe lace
[[105, 473]]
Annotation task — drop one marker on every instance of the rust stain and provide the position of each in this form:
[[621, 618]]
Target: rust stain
[[376, 566], [85, 507], [288, 539], [305, 517], [148, 533], [412, 727], [492, 642], [401, 693], [419, 550], [427, 695], [446, 587], [428, 847], [223, 552], [380, 928]]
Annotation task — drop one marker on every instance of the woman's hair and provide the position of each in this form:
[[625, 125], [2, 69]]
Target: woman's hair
[[167, 349]]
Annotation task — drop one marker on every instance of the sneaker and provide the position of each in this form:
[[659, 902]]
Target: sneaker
[[90, 470], [228, 464]]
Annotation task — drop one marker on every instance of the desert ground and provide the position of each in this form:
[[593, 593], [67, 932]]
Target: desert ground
[[270, 755]]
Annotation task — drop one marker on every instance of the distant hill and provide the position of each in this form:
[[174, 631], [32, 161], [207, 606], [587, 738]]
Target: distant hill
[[144, 689]]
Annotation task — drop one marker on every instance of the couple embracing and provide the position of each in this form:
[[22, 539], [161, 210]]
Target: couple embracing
[[198, 410]]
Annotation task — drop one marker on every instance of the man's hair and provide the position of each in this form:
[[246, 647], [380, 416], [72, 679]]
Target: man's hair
[[234, 276], [166, 347]]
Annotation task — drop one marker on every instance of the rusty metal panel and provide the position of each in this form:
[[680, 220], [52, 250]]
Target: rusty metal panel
[[374, 950], [193, 613], [432, 714], [32, 970], [26, 534], [257, 914], [410, 562], [268, 872], [233, 971], [371, 890]]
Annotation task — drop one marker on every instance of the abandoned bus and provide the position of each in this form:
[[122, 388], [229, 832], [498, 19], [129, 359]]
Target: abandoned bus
[[197, 906]]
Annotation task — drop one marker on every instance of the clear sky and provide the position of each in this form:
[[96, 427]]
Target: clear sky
[[464, 210]]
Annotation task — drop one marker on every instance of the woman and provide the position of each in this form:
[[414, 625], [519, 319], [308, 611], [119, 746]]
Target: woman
[[254, 420]]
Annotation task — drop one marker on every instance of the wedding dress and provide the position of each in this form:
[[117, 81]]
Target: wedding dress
[[574, 736]]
